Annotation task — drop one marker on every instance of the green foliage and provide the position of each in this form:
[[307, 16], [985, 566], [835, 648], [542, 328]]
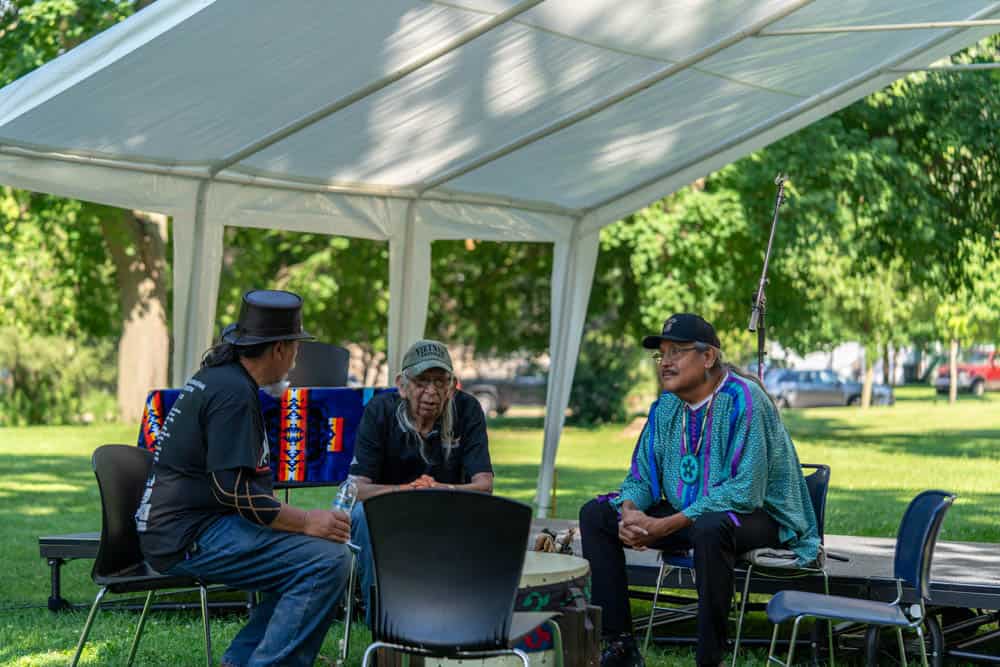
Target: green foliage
[[51, 379], [493, 295], [880, 459], [344, 282], [36, 31], [606, 370], [55, 275]]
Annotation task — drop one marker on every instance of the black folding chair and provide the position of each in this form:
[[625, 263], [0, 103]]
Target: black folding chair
[[447, 568], [770, 562], [783, 563], [121, 472], [918, 532]]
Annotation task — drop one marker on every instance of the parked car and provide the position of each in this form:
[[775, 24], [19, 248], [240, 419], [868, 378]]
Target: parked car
[[496, 395], [978, 371], [806, 389]]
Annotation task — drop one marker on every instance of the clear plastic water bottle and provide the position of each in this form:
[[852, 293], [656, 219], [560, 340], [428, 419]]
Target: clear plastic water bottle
[[347, 494]]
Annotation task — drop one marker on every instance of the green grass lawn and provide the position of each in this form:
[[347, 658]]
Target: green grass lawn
[[880, 459]]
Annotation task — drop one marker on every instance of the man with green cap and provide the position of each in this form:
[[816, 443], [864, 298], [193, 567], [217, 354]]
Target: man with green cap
[[428, 435]]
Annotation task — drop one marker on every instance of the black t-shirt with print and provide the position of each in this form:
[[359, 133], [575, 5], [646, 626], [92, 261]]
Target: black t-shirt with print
[[386, 454], [216, 424]]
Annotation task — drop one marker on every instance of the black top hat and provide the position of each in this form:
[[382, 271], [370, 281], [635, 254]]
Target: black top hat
[[267, 316]]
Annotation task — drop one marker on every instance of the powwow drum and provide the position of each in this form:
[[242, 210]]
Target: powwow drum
[[560, 582]]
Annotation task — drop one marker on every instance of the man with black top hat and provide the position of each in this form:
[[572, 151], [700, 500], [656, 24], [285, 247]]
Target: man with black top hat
[[209, 509], [429, 435], [714, 471]]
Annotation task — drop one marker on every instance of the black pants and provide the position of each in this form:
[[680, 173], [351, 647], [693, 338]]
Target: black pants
[[716, 539]]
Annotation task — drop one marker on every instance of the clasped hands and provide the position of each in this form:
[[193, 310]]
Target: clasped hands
[[637, 530], [425, 482]]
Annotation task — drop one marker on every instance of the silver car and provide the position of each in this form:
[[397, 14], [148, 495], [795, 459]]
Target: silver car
[[806, 389]]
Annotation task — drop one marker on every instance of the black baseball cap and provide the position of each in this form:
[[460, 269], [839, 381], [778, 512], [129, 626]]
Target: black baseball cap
[[684, 328]]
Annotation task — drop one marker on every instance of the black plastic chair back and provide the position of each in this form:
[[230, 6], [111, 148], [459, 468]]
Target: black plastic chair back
[[918, 532], [447, 567], [320, 365], [818, 483], [121, 472]]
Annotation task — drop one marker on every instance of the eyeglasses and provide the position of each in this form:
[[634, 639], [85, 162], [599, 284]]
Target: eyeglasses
[[672, 354], [438, 383]]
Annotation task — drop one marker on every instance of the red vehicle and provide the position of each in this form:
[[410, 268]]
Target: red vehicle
[[978, 371]]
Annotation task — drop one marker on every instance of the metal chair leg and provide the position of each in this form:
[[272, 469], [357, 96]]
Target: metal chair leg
[[523, 656], [138, 629], [743, 611], [774, 642], [374, 646], [652, 609], [557, 642], [791, 642], [829, 623], [86, 627], [348, 610], [204, 623], [923, 647], [902, 647]]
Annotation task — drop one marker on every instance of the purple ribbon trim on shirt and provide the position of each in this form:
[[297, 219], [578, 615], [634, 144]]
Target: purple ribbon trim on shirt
[[738, 456], [607, 497], [734, 518], [654, 475], [706, 460]]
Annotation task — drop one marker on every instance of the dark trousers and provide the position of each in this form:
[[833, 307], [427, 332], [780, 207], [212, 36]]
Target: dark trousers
[[716, 539]]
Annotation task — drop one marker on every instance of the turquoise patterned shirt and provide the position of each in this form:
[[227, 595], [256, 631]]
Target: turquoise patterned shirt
[[746, 461]]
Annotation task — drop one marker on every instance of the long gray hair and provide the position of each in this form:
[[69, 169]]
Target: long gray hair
[[448, 440], [722, 365]]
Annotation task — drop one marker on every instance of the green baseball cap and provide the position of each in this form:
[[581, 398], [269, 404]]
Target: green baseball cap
[[426, 354]]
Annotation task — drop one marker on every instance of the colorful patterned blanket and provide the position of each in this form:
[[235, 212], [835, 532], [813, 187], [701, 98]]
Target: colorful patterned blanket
[[311, 430]]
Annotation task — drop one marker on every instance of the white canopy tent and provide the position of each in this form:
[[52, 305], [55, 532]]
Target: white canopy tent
[[415, 120]]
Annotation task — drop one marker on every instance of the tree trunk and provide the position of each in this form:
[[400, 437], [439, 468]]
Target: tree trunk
[[866, 388], [895, 365], [886, 371], [953, 372], [137, 242]]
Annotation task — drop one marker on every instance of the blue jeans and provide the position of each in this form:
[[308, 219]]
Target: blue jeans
[[366, 565], [302, 579]]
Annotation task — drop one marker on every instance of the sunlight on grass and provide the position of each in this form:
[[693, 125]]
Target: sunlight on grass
[[34, 487], [880, 459]]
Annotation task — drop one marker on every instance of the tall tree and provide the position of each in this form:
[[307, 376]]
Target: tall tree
[[35, 32]]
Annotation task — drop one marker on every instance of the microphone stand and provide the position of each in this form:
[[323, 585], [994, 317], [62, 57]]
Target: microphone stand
[[759, 308]]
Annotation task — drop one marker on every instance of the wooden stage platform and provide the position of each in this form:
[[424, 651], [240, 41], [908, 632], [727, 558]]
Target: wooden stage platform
[[965, 580]]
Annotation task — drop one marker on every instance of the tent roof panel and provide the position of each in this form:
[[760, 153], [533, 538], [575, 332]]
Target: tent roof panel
[[567, 105], [502, 85], [226, 76], [600, 156]]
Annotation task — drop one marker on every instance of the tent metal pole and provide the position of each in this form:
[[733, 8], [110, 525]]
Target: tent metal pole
[[237, 178], [337, 105], [883, 27], [177, 171], [968, 67], [606, 102], [595, 218], [574, 261]]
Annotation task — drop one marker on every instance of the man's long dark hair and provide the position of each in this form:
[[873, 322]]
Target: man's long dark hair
[[225, 353]]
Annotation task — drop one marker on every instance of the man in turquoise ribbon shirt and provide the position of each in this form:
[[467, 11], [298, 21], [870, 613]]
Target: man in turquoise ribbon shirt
[[714, 471]]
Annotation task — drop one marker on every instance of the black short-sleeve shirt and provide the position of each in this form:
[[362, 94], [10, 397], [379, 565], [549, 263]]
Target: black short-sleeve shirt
[[386, 454], [216, 424]]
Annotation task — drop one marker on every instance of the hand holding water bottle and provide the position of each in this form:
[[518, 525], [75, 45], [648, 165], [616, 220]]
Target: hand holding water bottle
[[347, 495], [334, 526]]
